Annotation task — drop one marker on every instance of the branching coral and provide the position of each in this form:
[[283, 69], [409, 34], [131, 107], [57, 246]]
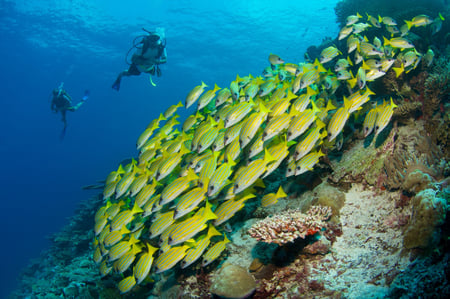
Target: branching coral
[[290, 225]]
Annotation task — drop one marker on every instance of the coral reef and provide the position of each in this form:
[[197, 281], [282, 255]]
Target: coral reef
[[67, 269], [290, 225], [424, 278]]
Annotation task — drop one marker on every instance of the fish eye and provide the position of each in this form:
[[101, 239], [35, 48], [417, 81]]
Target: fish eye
[[236, 186], [211, 188], [376, 128], [264, 134], [170, 239], [289, 133]]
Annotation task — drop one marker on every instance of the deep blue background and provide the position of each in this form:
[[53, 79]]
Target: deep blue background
[[83, 44]]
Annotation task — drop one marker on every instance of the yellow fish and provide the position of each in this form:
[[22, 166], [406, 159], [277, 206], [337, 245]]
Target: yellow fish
[[275, 59], [279, 150], [191, 120], [121, 248], [328, 54], [204, 100], [345, 31], [144, 264], [338, 121], [178, 186], [124, 217], [228, 208], [420, 20], [188, 228], [252, 124], [169, 258], [114, 175], [126, 284], [145, 193], [309, 141], [353, 19], [208, 137], [125, 182], [222, 96], [252, 172], [277, 125], [384, 116], [301, 122], [208, 169], [272, 198], [125, 261], [171, 110], [148, 131], [169, 163], [160, 223], [215, 251], [200, 246], [113, 237], [189, 201], [139, 182], [398, 42], [307, 162], [194, 94], [219, 177], [237, 113]]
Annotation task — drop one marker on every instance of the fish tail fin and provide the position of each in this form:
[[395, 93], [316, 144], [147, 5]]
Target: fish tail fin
[[212, 231], [398, 70], [409, 24], [281, 193]]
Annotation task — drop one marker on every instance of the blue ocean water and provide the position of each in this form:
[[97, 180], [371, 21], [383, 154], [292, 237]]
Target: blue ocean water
[[83, 44]]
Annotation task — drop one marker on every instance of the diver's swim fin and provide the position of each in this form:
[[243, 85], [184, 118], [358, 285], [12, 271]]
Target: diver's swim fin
[[151, 81], [116, 84], [63, 133], [86, 95]]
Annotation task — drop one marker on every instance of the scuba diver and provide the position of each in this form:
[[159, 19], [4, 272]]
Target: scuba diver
[[62, 102], [150, 53]]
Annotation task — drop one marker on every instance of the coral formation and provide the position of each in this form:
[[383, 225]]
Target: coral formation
[[232, 281], [429, 212], [290, 225]]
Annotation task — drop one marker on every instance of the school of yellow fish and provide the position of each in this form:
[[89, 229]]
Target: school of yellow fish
[[169, 206]]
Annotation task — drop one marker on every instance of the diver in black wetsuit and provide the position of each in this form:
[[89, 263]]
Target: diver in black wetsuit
[[150, 53], [62, 102]]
